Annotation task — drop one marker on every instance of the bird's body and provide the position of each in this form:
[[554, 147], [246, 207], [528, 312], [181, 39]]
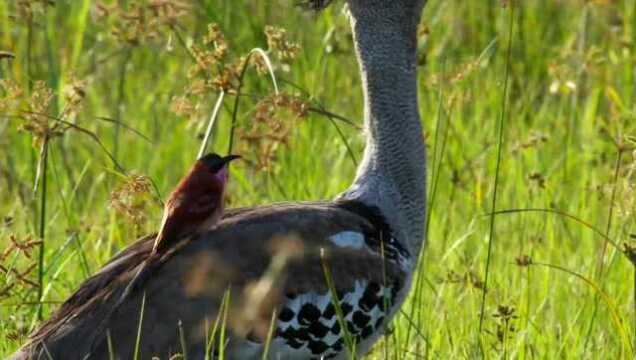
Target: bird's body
[[313, 272], [187, 289], [196, 204]]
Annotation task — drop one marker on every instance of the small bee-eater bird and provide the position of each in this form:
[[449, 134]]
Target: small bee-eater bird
[[197, 202], [195, 206]]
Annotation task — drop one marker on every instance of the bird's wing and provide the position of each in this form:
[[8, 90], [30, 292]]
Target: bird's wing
[[204, 205], [100, 286], [254, 262], [181, 216]]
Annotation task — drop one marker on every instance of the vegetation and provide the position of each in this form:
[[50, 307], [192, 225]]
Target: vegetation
[[103, 105]]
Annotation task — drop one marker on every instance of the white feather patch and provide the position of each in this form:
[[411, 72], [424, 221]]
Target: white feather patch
[[352, 239]]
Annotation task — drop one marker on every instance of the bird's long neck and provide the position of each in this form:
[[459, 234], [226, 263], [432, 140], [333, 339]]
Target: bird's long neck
[[392, 174]]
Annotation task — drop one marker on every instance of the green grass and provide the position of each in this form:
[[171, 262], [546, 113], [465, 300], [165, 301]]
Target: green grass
[[560, 153]]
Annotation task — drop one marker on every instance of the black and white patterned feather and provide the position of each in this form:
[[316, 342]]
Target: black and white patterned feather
[[309, 323]]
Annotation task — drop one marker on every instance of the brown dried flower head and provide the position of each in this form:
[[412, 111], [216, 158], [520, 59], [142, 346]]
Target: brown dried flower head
[[141, 21], [18, 274], [279, 44], [74, 94], [27, 10], [11, 97], [505, 312], [169, 11], [37, 121], [629, 249], [535, 139], [270, 127], [505, 316], [216, 40], [228, 77], [523, 261], [132, 197], [182, 106], [468, 278]]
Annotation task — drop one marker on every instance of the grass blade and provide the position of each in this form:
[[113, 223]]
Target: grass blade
[[42, 222], [211, 122], [238, 90], [616, 318], [140, 326], [500, 144]]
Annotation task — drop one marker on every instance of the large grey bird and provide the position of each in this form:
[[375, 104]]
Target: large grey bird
[[310, 280]]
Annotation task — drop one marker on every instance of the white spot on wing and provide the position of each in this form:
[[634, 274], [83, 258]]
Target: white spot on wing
[[352, 239]]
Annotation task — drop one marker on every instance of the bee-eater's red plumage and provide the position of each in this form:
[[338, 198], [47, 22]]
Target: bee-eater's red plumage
[[196, 203]]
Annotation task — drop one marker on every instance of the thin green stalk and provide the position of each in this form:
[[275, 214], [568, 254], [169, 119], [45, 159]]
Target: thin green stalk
[[121, 98], [349, 341], [111, 349], [586, 224], [82, 130], [29, 60], [268, 63], [211, 338], [47, 352], [68, 213], [436, 161], [574, 100], [500, 143], [322, 111], [436, 167], [613, 309], [223, 328], [136, 354], [270, 335], [601, 258], [53, 66], [125, 127], [211, 122], [182, 341], [527, 315], [42, 222], [617, 169], [344, 141]]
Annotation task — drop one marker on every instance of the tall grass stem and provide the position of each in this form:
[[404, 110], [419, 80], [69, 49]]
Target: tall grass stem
[[500, 144], [121, 99], [246, 64], [211, 122], [601, 256], [42, 222]]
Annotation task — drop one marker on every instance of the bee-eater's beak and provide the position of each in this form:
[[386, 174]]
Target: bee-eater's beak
[[214, 162], [225, 160]]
